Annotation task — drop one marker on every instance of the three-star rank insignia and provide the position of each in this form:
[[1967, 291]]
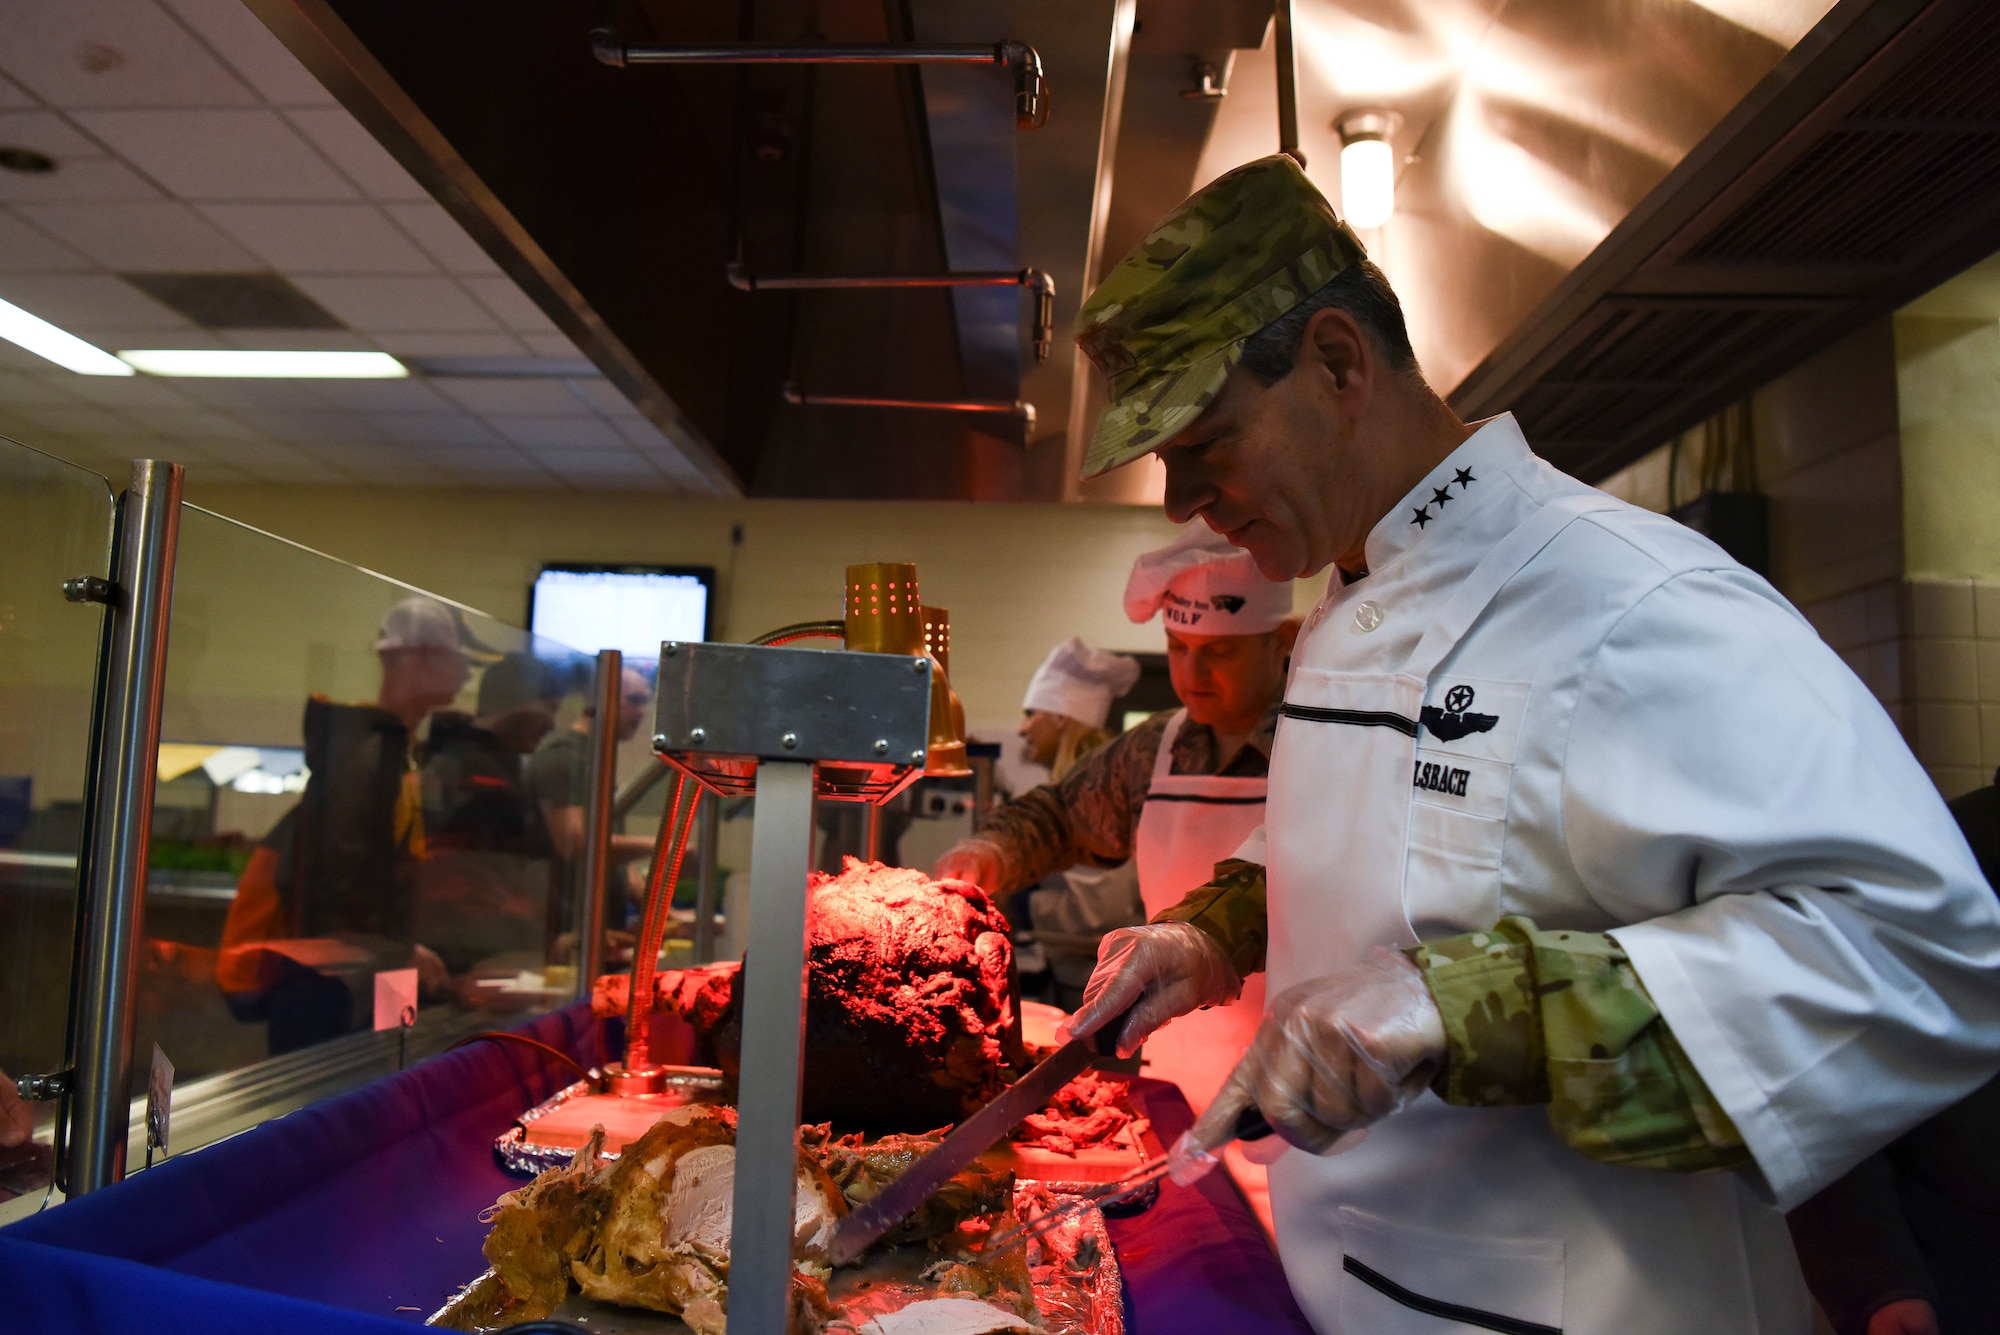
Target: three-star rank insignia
[[1421, 516]]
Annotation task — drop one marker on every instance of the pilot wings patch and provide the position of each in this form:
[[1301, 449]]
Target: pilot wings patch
[[1454, 720]]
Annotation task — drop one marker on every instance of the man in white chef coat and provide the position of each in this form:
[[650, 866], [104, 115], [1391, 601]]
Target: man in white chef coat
[[1607, 913]]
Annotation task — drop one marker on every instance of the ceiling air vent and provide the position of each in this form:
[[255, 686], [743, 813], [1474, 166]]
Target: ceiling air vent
[[235, 300]]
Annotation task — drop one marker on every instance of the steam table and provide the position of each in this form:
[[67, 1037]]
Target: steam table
[[359, 1215]]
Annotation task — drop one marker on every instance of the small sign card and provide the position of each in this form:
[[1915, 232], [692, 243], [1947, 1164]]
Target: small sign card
[[395, 999]]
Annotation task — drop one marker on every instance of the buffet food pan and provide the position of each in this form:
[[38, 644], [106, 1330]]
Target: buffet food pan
[[1076, 1280]]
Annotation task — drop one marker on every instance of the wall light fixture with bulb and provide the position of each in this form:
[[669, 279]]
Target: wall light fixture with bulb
[[1367, 167]]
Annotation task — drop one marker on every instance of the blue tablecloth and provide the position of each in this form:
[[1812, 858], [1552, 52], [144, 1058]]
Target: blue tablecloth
[[360, 1215]]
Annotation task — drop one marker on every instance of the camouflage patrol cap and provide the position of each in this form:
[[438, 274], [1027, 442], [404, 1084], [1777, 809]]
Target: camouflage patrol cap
[[1166, 325]]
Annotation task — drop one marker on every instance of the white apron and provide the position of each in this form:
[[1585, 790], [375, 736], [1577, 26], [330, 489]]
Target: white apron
[[1451, 1220], [1190, 823]]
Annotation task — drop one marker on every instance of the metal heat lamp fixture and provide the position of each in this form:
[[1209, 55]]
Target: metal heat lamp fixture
[[1031, 89], [1037, 282], [787, 725]]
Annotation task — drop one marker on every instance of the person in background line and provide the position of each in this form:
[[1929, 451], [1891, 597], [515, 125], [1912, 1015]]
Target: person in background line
[[474, 777], [1909, 1242], [1066, 712], [340, 866], [1059, 921], [559, 780]]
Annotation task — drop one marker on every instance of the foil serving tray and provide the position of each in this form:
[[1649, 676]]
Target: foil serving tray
[[549, 1134], [1073, 1272]]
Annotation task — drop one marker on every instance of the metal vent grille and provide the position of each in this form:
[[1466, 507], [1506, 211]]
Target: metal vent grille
[[1583, 418], [1857, 198], [1678, 343], [1956, 77], [1889, 171]]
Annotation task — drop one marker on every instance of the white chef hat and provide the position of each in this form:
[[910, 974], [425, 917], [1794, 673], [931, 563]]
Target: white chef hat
[[1081, 682], [419, 623], [1206, 587]]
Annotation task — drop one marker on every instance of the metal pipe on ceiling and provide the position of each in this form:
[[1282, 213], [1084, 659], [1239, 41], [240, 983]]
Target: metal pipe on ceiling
[[1043, 286], [798, 398], [1031, 89]]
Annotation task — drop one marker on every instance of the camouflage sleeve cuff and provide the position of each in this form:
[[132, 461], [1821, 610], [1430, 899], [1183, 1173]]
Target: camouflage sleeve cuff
[[1230, 909], [1562, 1018]]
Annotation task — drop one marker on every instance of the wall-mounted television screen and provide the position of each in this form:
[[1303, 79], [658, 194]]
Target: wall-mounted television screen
[[631, 608]]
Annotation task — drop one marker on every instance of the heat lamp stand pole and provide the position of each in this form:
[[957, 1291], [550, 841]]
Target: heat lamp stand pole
[[774, 984]]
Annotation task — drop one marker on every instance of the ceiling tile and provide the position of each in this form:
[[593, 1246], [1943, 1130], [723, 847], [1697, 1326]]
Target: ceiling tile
[[141, 395], [359, 154], [604, 396], [239, 395], [381, 305], [78, 419], [217, 474], [550, 434], [85, 178], [592, 460], [125, 337], [321, 238], [25, 248], [112, 53], [388, 396], [407, 344], [21, 389], [513, 307], [303, 427], [643, 434], [442, 238], [241, 39], [428, 429], [498, 395], [219, 155], [47, 132], [77, 301], [155, 237], [13, 95], [551, 345], [298, 340], [201, 424]]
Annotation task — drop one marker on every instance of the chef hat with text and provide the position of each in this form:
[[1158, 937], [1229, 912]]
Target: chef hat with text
[[1080, 682], [1203, 586]]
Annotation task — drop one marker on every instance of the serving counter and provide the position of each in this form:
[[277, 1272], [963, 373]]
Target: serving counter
[[361, 1215]]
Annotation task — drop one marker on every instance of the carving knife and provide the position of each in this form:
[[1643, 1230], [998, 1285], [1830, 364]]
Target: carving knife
[[972, 1138]]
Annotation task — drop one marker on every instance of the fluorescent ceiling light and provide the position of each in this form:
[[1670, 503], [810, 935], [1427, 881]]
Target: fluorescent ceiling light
[[59, 346], [235, 363]]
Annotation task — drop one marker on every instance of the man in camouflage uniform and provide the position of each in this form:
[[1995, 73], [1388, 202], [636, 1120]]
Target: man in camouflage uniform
[[1582, 856], [1227, 664]]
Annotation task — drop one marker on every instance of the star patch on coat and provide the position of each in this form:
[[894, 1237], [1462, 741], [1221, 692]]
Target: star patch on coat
[[1440, 495], [1455, 720], [1423, 516], [1465, 477]]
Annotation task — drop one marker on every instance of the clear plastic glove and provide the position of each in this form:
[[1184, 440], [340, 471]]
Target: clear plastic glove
[[1158, 971], [1334, 1056], [976, 860]]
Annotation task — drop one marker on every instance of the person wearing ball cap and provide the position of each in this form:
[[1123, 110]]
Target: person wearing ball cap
[[1606, 914], [1180, 791]]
